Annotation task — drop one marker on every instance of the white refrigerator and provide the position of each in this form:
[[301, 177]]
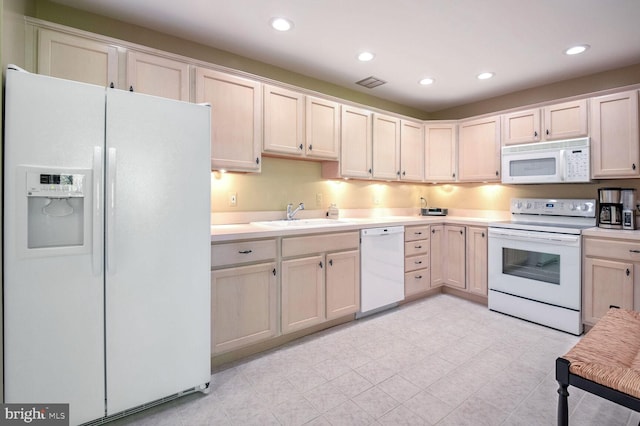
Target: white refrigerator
[[106, 246]]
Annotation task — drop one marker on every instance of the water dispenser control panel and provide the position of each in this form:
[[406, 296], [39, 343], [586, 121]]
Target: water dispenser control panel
[[55, 185]]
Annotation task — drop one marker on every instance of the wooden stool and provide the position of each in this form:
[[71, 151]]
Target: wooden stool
[[605, 362]]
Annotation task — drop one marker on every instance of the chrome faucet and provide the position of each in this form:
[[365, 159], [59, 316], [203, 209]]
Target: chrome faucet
[[291, 213]]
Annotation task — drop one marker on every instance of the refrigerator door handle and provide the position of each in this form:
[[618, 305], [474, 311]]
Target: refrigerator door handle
[[111, 211], [98, 214]]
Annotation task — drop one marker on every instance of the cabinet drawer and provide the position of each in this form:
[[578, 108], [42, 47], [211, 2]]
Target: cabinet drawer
[[612, 249], [416, 262], [416, 247], [413, 233], [242, 252], [298, 246], [416, 281]]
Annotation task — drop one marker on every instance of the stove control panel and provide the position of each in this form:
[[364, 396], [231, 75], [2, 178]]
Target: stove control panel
[[554, 207]]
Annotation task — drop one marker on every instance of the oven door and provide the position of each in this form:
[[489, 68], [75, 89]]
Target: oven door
[[543, 166], [540, 266]]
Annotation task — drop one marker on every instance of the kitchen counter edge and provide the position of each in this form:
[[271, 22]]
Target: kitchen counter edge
[[244, 231]]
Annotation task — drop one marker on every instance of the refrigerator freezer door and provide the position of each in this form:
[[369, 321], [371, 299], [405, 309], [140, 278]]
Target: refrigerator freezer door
[[157, 283], [53, 303]]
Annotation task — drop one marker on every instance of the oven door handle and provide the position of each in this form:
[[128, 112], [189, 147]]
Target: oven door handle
[[518, 235]]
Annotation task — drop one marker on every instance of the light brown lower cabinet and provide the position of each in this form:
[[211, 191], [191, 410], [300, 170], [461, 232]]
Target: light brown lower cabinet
[[477, 260], [302, 293], [320, 279], [416, 263], [243, 306]]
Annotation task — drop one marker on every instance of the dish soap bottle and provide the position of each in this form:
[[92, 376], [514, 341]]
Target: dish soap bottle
[[333, 212]]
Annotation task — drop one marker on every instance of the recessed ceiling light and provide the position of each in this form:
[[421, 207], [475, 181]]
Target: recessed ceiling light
[[485, 75], [366, 56], [426, 81], [576, 50], [281, 24]]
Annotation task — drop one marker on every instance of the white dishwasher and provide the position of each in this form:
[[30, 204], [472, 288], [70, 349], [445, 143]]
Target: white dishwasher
[[381, 268]]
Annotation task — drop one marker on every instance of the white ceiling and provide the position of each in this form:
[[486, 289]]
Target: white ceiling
[[449, 40]]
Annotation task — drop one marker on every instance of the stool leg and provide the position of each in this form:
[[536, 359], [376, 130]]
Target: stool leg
[[563, 406]]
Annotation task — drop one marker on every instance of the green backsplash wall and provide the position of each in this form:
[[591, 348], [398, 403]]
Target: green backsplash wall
[[284, 181]]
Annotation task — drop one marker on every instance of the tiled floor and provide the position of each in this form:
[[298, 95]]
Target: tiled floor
[[438, 361]]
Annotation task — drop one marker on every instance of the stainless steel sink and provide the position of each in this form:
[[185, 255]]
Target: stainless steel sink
[[300, 223]]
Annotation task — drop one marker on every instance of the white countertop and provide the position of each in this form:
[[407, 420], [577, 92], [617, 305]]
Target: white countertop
[[612, 233], [243, 231]]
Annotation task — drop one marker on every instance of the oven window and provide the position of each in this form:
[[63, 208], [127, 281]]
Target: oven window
[[532, 265], [533, 167]]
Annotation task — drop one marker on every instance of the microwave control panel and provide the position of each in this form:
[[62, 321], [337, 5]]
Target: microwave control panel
[[576, 165]]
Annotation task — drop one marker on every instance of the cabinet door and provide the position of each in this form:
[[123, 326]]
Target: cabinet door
[[615, 139], [440, 152], [386, 147], [479, 146], [322, 128], [566, 120], [355, 159], [416, 282], [157, 76], [411, 151], [302, 293], [521, 127], [243, 306], [283, 121], [236, 119], [343, 283], [477, 260], [454, 256], [437, 255], [606, 283], [77, 58]]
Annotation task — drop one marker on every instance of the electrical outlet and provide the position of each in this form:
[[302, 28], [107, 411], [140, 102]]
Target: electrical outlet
[[233, 199], [319, 199]]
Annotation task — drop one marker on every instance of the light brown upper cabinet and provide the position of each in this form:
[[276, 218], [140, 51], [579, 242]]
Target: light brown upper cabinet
[[157, 75], [355, 149], [479, 155], [77, 58], [236, 119], [560, 121], [322, 128], [386, 147], [440, 152], [615, 138], [411, 151], [283, 121]]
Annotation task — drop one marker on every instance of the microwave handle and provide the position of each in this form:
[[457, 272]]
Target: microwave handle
[[562, 172]]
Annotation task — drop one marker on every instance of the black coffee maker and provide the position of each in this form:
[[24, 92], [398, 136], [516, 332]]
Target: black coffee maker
[[610, 211]]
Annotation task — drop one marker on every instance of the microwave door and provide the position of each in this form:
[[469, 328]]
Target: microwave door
[[532, 167]]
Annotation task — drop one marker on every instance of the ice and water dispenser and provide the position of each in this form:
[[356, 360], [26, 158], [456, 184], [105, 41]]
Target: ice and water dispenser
[[56, 207]]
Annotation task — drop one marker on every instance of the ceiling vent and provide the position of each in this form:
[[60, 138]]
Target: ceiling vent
[[371, 82]]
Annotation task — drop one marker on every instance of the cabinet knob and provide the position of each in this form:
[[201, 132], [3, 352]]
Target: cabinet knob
[[398, 173], [548, 132], [330, 262], [418, 277], [300, 147], [453, 175], [633, 166], [112, 86], [257, 160], [634, 251], [483, 235], [310, 147], [628, 272], [131, 88], [274, 272], [369, 171], [433, 231], [497, 173], [245, 251], [417, 233], [418, 262], [404, 173], [418, 247], [461, 232], [535, 134], [321, 265]]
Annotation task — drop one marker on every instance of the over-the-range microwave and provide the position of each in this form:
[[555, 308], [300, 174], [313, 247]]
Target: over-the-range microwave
[[565, 161]]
